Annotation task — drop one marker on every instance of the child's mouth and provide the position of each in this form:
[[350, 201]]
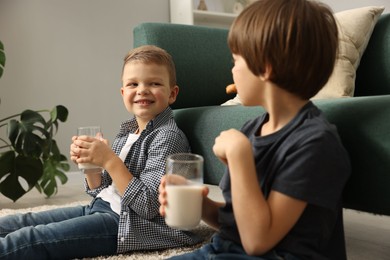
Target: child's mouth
[[144, 102]]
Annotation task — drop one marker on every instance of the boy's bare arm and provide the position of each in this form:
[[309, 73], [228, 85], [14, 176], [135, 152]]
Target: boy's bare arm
[[119, 173], [261, 223], [94, 178]]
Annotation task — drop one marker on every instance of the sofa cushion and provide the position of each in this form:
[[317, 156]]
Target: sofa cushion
[[355, 29]]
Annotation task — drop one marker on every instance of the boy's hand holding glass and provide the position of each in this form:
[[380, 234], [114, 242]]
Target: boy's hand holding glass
[[184, 190], [93, 131]]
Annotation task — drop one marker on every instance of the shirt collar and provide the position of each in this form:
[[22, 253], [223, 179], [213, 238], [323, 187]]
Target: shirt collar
[[131, 125]]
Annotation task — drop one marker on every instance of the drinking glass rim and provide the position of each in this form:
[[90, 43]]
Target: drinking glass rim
[[85, 127], [194, 157]]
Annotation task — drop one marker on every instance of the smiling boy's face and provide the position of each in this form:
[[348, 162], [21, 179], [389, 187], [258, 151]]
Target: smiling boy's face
[[146, 91]]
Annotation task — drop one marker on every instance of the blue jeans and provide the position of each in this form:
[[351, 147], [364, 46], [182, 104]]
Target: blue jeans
[[220, 249], [64, 233]]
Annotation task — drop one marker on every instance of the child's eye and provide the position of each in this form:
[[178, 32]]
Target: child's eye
[[155, 84], [132, 85]]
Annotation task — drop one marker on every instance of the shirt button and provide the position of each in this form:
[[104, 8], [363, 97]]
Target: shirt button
[[122, 239], [124, 213]]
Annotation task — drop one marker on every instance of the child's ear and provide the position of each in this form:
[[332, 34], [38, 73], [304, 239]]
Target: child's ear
[[173, 94], [267, 74]]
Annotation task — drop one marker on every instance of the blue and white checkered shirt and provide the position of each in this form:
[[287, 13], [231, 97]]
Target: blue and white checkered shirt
[[141, 227]]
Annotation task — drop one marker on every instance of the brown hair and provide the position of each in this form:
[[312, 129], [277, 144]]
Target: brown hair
[[153, 54], [298, 39]]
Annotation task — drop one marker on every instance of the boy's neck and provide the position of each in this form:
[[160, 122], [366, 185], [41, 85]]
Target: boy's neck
[[141, 126], [281, 108]]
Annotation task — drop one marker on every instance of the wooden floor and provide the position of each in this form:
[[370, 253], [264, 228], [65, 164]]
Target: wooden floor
[[367, 235]]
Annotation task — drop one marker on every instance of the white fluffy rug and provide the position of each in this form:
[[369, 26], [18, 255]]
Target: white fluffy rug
[[202, 230]]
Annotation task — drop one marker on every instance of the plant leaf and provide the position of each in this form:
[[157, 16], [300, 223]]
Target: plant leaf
[[11, 188], [28, 168], [59, 112], [30, 117], [29, 136], [6, 162], [52, 171], [2, 59], [33, 157], [13, 130]]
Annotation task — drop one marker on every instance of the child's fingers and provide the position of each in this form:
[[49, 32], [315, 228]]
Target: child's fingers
[[162, 192], [163, 180], [99, 136], [162, 197], [162, 211], [163, 202], [105, 141], [205, 191]]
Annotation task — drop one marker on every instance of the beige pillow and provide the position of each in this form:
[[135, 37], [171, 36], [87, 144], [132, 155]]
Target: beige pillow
[[355, 29]]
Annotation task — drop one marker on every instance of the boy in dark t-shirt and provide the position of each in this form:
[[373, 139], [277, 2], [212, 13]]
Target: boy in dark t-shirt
[[286, 169], [286, 162]]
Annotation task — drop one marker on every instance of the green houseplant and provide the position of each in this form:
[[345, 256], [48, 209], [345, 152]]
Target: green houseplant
[[30, 157]]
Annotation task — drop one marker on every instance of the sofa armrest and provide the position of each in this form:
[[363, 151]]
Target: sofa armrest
[[364, 126], [372, 76]]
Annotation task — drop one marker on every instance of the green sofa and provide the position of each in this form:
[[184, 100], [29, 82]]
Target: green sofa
[[203, 63]]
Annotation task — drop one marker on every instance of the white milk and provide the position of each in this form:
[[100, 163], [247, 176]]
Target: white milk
[[184, 209], [86, 166]]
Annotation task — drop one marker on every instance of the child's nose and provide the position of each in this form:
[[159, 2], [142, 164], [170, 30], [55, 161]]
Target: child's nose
[[142, 89]]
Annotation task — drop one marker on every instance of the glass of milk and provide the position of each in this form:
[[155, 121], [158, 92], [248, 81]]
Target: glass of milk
[[184, 185], [90, 131]]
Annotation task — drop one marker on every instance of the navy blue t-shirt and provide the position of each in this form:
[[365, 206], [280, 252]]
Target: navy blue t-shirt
[[307, 161]]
